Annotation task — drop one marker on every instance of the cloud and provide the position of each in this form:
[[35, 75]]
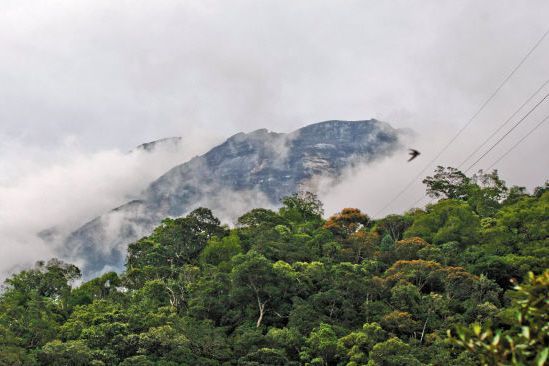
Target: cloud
[[58, 190], [83, 82], [143, 71], [394, 185]]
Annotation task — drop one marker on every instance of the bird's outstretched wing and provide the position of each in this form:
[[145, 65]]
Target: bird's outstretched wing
[[413, 154]]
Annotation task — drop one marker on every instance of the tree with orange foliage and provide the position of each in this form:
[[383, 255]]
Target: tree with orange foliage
[[347, 222], [423, 274], [361, 245], [407, 249]]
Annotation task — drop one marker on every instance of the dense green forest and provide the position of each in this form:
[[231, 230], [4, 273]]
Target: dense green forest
[[461, 282]]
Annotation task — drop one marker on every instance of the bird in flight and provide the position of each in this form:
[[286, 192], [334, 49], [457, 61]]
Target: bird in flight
[[413, 154]]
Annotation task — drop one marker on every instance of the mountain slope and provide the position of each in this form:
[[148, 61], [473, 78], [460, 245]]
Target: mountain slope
[[247, 170]]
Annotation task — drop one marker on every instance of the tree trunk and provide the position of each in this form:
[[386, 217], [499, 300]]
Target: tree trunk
[[261, 306], [423, 331]]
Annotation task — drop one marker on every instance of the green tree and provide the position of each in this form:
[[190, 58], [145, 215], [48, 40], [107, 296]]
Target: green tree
[[356, 346], [526, 342], [387, 244], [448, 183], [255, 282], [322, 344], [288, 338], [394, 226], [221, 251], [264, 357], [302, 206], [392, 352], [176, 241], [36, 301], [71, 353], [446, 221]]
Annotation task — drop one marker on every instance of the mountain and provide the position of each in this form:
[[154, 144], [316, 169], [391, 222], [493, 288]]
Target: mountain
[[168, 143], [247, 170]]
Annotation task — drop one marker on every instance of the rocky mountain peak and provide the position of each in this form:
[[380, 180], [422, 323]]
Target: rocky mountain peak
[[247, 170]]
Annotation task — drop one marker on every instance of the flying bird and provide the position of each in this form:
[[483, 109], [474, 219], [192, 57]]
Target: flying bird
[[413, 154]]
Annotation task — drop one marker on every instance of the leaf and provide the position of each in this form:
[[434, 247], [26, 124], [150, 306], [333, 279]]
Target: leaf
[[526, 332], [542, 357], [477, 329], [495, 341]]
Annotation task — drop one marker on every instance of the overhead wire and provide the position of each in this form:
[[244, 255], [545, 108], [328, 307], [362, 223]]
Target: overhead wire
[[503, 124], [502, 138], [508, 132], [471, 119], [519, 142]]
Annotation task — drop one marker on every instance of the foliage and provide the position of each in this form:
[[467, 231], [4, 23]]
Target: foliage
[[287, 287], [526, 342], [347, 222]]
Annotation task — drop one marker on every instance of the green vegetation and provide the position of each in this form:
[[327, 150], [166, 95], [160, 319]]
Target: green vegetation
[[429, 287]]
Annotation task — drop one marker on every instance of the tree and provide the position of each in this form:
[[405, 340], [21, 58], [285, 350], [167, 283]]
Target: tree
[[71, 353], [165, 342], [171, 245], [423, 274], [357, 345], [400, 323], [264, 357], [97, 288], [210, 297], [394, 226], [179, 240], [392, 352], [221, 251], [360, 245], [289, 339], [322, 344], [35, 302], [302, 206], [487, 193], [526, 342], [52, 279], [406, 297], [447, 183], [255, 280], [407, 249], [286, 289], [445, 221], [387, 244], [261, 217], [347, 222]]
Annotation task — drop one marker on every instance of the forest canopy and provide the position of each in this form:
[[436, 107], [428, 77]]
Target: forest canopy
[[463, 281]]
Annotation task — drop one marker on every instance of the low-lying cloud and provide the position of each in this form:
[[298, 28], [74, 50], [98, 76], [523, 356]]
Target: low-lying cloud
[[53, 192], [82, 82]]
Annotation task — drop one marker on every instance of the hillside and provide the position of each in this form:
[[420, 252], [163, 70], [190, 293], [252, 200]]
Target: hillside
[[246, 171], [289, 287]]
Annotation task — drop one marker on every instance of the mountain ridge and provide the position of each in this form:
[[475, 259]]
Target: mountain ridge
[[246, 170]]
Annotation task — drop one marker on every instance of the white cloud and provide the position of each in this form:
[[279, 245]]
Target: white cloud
[[81, 82], [65, 187]]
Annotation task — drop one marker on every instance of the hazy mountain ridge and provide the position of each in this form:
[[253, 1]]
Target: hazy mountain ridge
[[247, 170], [168, 143]]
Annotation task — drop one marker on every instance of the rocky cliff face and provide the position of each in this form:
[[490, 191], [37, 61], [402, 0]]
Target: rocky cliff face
[[246, 171]]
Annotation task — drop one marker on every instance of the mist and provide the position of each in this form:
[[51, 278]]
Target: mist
[[54, 192], [83, 83]]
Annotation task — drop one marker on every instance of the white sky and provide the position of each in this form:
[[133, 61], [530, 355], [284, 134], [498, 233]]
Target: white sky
[[80, 80]]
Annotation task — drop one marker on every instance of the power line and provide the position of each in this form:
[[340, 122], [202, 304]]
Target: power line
[[480, 109], [508, 151], [519, 142], [508, 132], [504, 124], [418, 201], [501, 157]]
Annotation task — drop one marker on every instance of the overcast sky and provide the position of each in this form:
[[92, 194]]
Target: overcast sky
[[80, 80]]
